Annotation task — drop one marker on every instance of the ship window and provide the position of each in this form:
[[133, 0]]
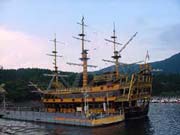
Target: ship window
[[126, 90], [95, 105], [133, 103], [121, 91], [123, 80], [99, 105], [144, 90], [140, 91], [90, 106], [140, 78], [135, 91], [110, 105]]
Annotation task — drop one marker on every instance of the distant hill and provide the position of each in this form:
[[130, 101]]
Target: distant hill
[[169, 65]]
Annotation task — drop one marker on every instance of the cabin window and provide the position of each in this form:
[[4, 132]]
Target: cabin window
[[110, 105], [123, 80], [90, 106], [135, 91], [140, 90], [121, 91], [95, 105], [126, 90], [140, 78], [100, 105], [144, 90]]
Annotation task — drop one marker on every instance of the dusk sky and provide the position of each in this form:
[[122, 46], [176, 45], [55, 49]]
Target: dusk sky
[[26, 26]]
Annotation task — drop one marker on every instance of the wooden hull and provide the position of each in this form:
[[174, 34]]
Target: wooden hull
[[136, 113]]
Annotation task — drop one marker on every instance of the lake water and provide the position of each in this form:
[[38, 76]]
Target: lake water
[[163, 119]]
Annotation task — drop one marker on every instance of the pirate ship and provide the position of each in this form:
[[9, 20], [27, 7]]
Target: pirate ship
[[109, 98], [107, 93]]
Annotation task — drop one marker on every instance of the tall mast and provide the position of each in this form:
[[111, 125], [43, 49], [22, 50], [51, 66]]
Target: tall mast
[[54, 54], [84, 53], [116, 55], [55, 61]]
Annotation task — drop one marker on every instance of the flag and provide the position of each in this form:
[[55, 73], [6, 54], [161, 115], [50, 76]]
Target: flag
[[147, 56]]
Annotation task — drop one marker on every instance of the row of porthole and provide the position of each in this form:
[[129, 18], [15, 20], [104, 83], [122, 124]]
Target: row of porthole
[[93, 99], [108, 86]]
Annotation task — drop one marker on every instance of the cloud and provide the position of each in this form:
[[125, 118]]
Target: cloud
[[22, 50], [164, 41], [19, 50]]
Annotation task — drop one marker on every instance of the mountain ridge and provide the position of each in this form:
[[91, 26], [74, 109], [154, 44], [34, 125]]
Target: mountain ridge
[[168, 65]]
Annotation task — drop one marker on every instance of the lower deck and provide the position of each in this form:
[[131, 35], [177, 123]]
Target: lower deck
[[77, 119]]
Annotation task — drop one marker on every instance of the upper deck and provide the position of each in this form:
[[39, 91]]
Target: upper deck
[[126, 88]]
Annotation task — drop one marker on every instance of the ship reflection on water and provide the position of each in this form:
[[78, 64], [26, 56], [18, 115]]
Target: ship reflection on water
[[135, 127], [139, 127]]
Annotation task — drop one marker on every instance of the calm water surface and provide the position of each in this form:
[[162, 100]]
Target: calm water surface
[[163, 119]]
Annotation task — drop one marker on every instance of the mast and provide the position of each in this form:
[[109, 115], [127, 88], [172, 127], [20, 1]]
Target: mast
[[116, 55], [54, 54], [84, 52], [84, 56], [55, 61]]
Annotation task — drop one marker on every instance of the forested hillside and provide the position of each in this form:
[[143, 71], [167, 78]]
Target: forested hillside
[[16, 83]]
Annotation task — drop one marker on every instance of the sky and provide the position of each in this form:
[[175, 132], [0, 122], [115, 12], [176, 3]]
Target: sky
[[27, 26]]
